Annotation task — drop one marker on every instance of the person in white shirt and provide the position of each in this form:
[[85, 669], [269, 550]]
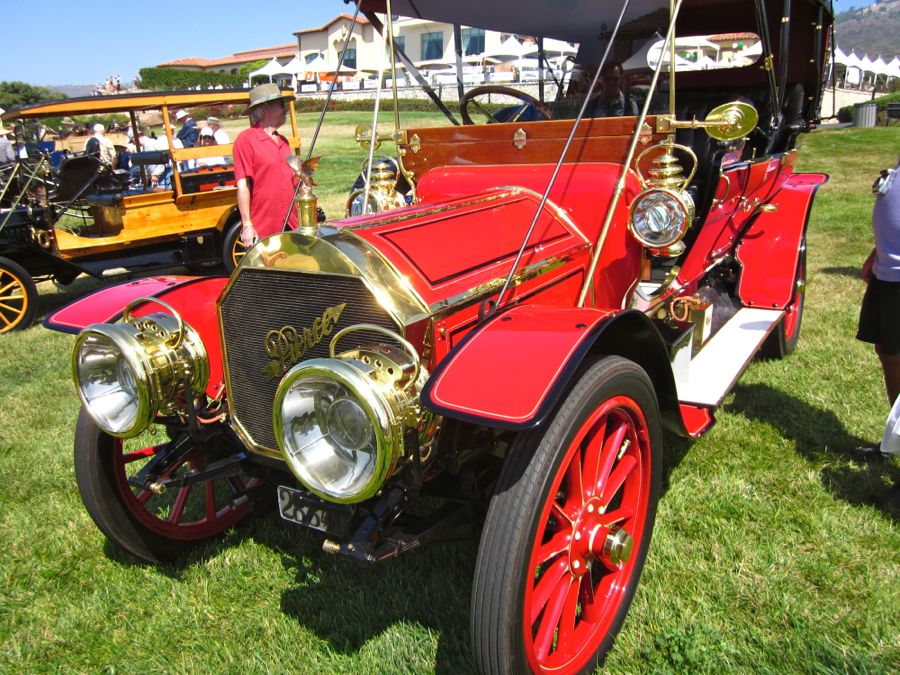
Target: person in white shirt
[[7, 153], [101, 146], [206, 138], [221, 136]]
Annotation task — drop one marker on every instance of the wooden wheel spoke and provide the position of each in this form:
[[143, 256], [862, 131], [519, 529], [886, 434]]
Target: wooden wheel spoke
[[593, 600], [143, 453], [180, 502], [210, 491], [550, 581], [11, 284], [592, 459], [569, 614], [561, 516], [618, 516], [558, 543], [611, 447], [623, 469], [543, 641], [574, 488]]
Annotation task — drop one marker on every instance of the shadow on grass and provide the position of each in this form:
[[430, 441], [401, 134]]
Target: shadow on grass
[[848, 271], [822, 439], [348, 604]]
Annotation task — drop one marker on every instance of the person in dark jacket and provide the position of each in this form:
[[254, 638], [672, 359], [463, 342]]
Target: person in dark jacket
[[188, 132]]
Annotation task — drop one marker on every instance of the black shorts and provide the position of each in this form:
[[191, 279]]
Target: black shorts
[[879, 317]]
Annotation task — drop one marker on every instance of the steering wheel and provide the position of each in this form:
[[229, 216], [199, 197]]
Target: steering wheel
[[471, 95]]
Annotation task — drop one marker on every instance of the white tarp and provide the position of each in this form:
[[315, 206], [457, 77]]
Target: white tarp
[[268, 70]]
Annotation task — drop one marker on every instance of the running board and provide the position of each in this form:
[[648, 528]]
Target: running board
[[716, 367]]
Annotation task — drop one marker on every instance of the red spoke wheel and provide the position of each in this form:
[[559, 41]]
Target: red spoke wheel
[[568, 528], [153, 525], [782, 341]]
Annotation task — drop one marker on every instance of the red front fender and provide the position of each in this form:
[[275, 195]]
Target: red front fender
[[508, 372], [194, 298]]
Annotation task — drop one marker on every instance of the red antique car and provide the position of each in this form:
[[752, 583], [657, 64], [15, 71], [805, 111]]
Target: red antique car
[[514, 340]]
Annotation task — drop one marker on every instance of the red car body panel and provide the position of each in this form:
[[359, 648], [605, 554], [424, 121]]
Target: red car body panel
[[509, 395], [194, 298], [450, 245], [770, 249]]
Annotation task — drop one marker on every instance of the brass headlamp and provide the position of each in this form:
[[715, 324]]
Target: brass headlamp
[[661, 214], [342, 423], [126, 373], [383, 195]]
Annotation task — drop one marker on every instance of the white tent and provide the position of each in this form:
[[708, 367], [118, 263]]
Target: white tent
[[854, 70], [317, 65], [552, 47], [893, 68], [270, 69], [648, 56], [509, 50], [748, 55]]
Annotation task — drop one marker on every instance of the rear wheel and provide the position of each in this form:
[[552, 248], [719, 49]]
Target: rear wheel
[[568, 528], [232, 248], [18, 296], [153, 525], [782, 341]]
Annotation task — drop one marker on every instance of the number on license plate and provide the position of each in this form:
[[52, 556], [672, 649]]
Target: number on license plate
[[298, 507]]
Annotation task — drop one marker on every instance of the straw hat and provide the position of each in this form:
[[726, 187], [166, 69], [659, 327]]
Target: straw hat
[[180, 115], [265, 93]]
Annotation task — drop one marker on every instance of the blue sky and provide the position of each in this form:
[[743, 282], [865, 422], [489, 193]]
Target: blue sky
[[67, 42], [61, 42]]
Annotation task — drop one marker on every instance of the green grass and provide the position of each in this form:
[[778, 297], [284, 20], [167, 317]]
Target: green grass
[[773, 552]]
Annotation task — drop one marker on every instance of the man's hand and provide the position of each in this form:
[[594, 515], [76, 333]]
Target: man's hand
[[248, 234]]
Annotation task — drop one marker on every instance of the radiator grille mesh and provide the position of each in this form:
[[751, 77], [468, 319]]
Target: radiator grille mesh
[[263, 300]]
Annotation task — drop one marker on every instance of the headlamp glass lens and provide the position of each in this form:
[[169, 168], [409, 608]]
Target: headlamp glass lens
[[658, 218], [108, 384], [328, 436], [356, 205]]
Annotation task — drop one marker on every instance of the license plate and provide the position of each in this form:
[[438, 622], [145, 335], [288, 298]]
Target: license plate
[[297, 507]]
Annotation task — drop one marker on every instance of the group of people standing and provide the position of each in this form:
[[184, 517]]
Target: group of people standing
[[113, 85], [189, 135]]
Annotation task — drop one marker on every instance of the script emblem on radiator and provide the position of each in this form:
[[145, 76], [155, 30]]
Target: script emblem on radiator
[[287, 345]]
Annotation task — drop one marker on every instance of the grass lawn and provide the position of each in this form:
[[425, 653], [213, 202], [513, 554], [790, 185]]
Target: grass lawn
[[773, 552]]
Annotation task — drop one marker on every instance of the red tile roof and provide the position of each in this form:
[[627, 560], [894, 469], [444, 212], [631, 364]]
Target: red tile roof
[[349, 17], [278, 51]]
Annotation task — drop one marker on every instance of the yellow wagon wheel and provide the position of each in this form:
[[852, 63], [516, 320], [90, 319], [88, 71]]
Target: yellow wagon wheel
[[18, 296], [233, 250]]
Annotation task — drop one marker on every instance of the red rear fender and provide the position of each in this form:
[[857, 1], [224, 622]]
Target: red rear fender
[[770, 249]]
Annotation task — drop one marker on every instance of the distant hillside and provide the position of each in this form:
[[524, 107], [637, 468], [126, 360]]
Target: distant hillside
[[871, 30], [72, 90]]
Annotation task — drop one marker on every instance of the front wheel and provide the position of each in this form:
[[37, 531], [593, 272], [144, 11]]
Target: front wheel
[[568, 528], [18, 296], [153, 525]]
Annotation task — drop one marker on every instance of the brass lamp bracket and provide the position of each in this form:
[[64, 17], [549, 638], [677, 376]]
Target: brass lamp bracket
[[726, 122]]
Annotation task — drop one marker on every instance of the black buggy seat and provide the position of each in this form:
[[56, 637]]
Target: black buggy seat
[[81, 174]]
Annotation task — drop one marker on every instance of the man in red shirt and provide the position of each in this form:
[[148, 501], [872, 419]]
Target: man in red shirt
[[265, 182]]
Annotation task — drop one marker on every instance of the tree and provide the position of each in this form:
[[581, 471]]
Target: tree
[[14, 94]]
